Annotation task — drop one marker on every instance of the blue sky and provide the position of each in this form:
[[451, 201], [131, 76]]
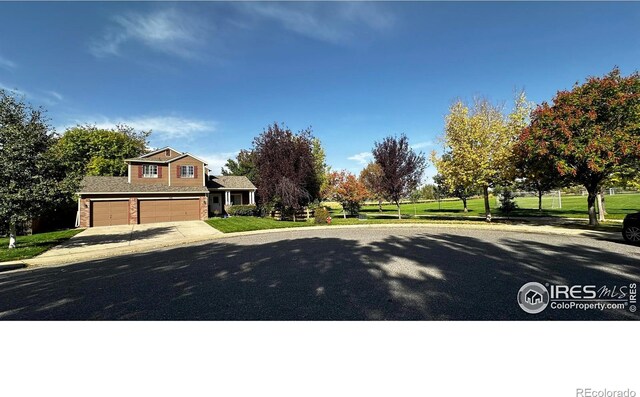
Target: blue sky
[[208, 77]]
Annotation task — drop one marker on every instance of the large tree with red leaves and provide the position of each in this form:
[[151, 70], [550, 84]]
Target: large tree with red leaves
[[286, 169], [590, 132], [401, 168]]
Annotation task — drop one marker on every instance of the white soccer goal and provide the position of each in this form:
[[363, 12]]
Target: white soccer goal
[[556, 200]]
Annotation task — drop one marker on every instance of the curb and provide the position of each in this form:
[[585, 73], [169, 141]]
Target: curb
[[544, 229], [12, 265]]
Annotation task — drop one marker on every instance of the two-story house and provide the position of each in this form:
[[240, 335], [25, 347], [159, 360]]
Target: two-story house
[[162, 186]]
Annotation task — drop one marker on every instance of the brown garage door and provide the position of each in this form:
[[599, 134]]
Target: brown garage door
[[152, 211], [108, 213]]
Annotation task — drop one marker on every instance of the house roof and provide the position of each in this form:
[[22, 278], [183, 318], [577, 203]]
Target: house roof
[[177, 153], [174, 157], [230, 182], [120, 184]]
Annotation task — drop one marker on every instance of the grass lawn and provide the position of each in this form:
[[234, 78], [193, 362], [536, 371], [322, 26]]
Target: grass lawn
[[30, 246], [248, 223], [572, 207], [428, 212]]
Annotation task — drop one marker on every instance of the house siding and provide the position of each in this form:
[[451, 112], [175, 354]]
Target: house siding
[[162, 155], [196, 181], [161, 179]]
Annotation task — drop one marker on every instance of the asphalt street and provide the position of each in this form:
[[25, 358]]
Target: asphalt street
[[340, 274]]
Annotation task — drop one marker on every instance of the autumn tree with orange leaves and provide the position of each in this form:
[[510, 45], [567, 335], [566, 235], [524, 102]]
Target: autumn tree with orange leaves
[[346, 189], [589, 133]]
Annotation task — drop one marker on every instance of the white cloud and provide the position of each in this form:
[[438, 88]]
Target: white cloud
[[48, 98], [167, 31], [55, 95], [7, 64], [362, 158], [422, 145], [165, 128], [338, 23]]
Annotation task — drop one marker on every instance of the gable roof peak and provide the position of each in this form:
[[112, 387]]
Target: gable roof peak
[[160, 150]]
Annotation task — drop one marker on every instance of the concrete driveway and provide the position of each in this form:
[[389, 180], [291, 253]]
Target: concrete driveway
[[111, 240]]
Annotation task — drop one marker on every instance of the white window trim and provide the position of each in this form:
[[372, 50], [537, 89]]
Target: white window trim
[[187, 176], [146, 167]]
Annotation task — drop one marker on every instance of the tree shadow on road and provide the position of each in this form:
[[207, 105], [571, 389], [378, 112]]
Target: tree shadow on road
[[409, 276]]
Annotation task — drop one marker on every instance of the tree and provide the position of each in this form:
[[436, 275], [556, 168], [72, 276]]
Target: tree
[[348, 191], [536, 173], [319, 163], [290, 196], [371, 177], [428, 192], [479, 142], [414, 197], [590, 132], [451, 183], [328, 191], [401, 168], [32, 177], [507, 199], [243, 165], [441, 189], [285, 166], [99, 151]]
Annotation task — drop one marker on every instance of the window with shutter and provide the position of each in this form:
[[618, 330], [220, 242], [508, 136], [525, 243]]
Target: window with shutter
[[150, 171], [187, 171]]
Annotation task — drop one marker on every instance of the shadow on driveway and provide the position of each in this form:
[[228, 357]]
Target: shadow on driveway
[[424, 276], [86, 239]]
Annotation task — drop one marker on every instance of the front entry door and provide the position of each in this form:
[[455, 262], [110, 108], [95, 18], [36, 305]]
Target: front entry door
[[216, 203]]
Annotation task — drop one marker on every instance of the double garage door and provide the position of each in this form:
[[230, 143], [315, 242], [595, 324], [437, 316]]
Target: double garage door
[[152, 211], [116, 212]]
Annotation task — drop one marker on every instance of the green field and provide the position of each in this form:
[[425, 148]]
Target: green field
[[572, 207], [426, 212], [30, 246]]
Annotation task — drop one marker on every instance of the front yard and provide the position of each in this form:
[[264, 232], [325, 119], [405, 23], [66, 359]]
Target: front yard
[[30, 246]]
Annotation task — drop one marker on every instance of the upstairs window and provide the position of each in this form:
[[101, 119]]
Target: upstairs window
[[186, 171], [150, 171]]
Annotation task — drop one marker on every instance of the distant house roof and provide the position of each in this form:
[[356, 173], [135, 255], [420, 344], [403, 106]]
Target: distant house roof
[[230, 182], [120, 184]]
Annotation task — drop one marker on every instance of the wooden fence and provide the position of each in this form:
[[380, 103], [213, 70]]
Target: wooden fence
[[302, 213]]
